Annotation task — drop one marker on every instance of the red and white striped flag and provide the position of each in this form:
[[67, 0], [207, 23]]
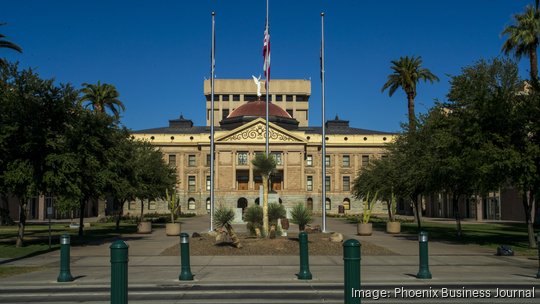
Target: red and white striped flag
[[266, 65]]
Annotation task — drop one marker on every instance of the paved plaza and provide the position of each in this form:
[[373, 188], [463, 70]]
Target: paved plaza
[[455, 266]]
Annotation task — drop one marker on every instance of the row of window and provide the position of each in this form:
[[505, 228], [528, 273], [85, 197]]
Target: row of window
[[345, 183], [242, 159], [253, 97]]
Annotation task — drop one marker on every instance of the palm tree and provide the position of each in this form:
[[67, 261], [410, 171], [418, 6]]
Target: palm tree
[[101, 96], [407, 73], [265, 166], [7, 44], [523, 38]]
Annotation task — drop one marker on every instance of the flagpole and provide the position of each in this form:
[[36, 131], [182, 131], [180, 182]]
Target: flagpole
[[212, 69], [323, 130], [267, 67]]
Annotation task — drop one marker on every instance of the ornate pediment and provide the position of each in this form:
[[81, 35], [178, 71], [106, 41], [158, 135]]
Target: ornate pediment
[[256, 132]]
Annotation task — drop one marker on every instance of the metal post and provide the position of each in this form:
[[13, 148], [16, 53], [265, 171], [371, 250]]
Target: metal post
[[212, 147], [119, 272], [538, 246], [65, 273], [304, 273], [351, 258], [185, 269], [323, 157], [423, 272]]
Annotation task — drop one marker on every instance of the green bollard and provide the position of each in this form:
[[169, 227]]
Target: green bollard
[[65, 273], [304, 273], [185, 269], [423, 272], [351, 258], [119, 272], [538, 246]]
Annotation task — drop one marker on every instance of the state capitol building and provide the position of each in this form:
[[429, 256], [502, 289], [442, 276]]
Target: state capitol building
[[240, 130]]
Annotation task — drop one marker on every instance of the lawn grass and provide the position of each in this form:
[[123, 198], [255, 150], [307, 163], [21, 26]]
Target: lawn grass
[[6, 271], [36, 238], [490, 235]]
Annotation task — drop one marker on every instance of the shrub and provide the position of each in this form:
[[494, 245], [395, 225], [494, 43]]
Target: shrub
[[254, 218], [301, 216], [275, 212]]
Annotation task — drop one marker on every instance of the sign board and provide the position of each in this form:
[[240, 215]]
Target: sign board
[[49, 211]]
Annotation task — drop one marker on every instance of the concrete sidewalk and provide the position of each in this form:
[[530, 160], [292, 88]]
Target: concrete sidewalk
[[449, 263]]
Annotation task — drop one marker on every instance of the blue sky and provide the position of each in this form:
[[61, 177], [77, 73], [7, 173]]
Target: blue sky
[[157, 53]]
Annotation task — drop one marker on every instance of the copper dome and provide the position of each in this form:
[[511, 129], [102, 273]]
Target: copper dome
[[258, 109]]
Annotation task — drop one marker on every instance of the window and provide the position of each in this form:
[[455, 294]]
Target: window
[[191, 161], [346, 161], [250, 97], [365, 160], [347, 204], [236, 97], [327, 183], [242, 158], [309, 160], [225, 97], [279, 97], [208, 204], [172, 160], [346, 183], [301, 98], [191, 183], [290, 112], [225, 113], [208, 185], [208, 160], [309, 183], [191, 204], [209, 97], [277, 158], [384, 156], [152, 205], [328, 204], [327, 160], [289, 98]]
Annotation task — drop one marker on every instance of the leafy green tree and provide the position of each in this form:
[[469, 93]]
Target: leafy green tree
[[407, 72], [7, 44], [523, 38], [33, 116], [265, 166], [101, 97]]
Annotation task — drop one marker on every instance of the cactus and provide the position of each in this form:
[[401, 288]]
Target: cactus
[[172, 201], [368, 207]]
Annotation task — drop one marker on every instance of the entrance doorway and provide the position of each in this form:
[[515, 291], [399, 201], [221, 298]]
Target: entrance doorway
[[242, 203]]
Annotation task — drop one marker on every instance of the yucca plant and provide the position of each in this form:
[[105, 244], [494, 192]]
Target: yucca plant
[[173, 203], [223, 218], [254, 218], [301, 216]]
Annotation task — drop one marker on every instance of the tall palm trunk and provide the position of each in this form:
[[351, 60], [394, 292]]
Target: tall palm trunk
[[410, 106], [265, 205], [533, 58], [234, 236]]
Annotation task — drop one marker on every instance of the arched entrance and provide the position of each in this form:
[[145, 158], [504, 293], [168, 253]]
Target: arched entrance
[[242, 203], [310, 204], [257, 202]]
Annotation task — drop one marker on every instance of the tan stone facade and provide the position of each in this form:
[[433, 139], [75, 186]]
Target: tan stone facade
[[299, 170]]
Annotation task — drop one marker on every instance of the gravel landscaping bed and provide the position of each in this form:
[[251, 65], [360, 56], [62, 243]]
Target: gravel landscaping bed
[[319, 244]]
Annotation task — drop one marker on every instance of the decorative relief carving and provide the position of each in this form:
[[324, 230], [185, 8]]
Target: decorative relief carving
[[259, 132]]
